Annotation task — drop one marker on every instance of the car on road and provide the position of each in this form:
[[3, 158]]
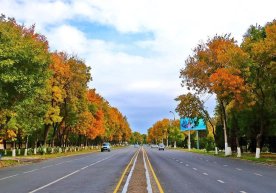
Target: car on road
[[161, 146], [105, 147], [154, 146]]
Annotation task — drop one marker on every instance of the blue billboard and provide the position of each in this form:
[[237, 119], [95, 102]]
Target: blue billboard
[[187, 124]]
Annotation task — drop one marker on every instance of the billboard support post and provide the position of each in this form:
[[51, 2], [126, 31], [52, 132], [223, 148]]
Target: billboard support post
[[197, 140], [189, 140]]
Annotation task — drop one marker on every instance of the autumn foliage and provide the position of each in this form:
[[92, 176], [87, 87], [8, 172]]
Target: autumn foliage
[[44, 96], [242, 78]]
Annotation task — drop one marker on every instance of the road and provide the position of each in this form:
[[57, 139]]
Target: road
[[184, 172], [95, 172], [177, 172]]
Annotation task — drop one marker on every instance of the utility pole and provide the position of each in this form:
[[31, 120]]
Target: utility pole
[[174, 145]]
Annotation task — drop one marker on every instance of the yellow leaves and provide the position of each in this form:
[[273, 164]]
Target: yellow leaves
[[10, 134], [4, 113], [52, 115], [57, 94], [159, 130]]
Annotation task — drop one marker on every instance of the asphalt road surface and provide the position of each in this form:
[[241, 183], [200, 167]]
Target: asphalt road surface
[[184, 172], [89, 173], [177, 172]]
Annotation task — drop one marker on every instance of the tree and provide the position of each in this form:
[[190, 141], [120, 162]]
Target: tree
[[136, 138], [24, 60], [175, 134], [219, 55], [190, 106], [260, 43]]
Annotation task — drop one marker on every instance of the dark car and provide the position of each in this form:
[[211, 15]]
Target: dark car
[[105, 147]]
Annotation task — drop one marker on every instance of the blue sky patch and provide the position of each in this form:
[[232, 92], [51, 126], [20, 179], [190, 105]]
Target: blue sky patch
[[109, 33]]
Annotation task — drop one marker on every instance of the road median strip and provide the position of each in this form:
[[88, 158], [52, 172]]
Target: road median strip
[[154, 175], [149, 188], [139, 176], [124, 173]]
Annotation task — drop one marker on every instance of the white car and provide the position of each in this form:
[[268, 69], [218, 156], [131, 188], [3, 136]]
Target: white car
[[154, 146], [105, 147], [161, 146]]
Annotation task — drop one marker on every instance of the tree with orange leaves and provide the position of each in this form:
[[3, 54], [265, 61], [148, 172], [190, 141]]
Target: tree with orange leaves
[[204, 70]]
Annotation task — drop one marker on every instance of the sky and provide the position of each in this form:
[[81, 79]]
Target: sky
[[136, 48]]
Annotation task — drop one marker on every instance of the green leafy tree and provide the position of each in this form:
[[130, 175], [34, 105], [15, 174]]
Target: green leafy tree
[[24, 59], [260, 43]]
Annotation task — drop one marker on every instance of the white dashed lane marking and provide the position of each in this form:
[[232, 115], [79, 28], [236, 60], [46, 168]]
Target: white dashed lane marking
[[181, 162], [239, 169], [187, 165], [194, 169], [205, 174], [220, 181], [8, 177], [225, 165], [258, 174], [242, 192], [47, 166], [30, 171], [59, 163]]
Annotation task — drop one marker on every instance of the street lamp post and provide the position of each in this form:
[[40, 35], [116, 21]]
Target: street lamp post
[[174, 145]]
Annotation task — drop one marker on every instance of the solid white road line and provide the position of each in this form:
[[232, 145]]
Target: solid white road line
[[84, 167], [42, 187], [8, 177], [221, 181], [149, 188], [66, 176], [130, 174]]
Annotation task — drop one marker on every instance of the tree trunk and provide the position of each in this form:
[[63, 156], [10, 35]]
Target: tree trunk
[[26, 149], [236, 133], [227, 149], [259, 140], [46, 132], [13, 150]]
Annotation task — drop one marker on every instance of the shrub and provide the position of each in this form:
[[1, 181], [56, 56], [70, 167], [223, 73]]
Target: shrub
[[208, 143]]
